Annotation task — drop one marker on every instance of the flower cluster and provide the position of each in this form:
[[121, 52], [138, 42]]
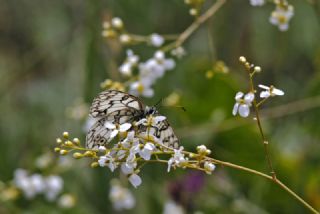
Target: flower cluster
[[36, 184], [245, 101], [141, 75], [149, 71], [121, 197], [134, 144], [281, 15], [116, 29]]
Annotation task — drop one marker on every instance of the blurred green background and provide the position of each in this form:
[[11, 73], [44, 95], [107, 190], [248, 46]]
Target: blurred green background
[[52, 55]]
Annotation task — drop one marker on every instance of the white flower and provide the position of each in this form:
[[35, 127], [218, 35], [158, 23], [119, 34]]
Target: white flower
[[242, 105], [103, 160], [179, 52], [147, 150], [177, 159], [29, 185], [102, 148], [151, 120], [116, 22], [156, 40], [128, 168], [135, 148], [135, 180], [126, 143], [281, 16], [116, 129], [121, 197], [121, 154], [155, 67], [270, 91], [202, 149], [130, 62], [209, 167], [142, 87], [168, 64], [125, 38], [257, 2], [171, 207], [66, 201], [54, 185]]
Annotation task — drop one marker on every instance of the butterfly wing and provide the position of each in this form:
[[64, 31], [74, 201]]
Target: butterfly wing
[[115, 102], [167, 136], [164, 132], [98, 134], [111, 106]]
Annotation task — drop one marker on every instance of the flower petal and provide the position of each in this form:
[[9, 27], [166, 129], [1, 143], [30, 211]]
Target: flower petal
[[238, 96], [158, 119], [278, 92], [235, 109], [264, 94], [264, 87], [124, 127], [126, 169], [148, 92], [135, 180], [149, 146], [142, 121], [113, 134], [244, 110], [109, 125], [145, 154], [249, 97]]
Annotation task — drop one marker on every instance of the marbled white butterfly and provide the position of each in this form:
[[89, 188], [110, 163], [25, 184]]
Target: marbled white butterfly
[[118, 107]]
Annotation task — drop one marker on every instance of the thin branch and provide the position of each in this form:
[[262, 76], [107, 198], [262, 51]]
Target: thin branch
[[195, 25], [275, 180], [251, 171], [264, 140]]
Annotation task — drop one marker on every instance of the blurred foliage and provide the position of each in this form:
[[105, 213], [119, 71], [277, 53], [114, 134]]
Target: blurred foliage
[[52, 53]]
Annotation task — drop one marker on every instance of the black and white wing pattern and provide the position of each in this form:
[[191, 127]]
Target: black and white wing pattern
[[164, 132], [118, 107], [117, 103], [98, 134], [111, 106]]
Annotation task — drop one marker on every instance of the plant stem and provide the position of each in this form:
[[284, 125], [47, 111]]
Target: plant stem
[[195, 25], [271, 178], [264, 140]]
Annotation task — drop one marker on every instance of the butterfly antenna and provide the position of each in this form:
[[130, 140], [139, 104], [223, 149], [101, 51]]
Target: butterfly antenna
[[180, 107], [159, 102]]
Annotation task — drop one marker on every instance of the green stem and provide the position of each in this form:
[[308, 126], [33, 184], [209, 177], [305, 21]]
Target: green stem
[[273, 179]]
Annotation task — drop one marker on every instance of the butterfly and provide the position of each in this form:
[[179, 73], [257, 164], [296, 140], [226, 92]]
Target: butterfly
[[119, 107]]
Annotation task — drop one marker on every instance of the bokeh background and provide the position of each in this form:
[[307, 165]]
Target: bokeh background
[[53, 59]]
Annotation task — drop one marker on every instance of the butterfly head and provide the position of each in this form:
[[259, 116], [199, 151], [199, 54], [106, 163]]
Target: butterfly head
[[150, 110]]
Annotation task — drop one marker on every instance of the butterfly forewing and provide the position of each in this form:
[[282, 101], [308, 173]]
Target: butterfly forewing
[[111, 101]]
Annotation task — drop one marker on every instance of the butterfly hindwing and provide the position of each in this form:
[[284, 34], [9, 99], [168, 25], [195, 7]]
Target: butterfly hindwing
[[164, 132], [98, 134]]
